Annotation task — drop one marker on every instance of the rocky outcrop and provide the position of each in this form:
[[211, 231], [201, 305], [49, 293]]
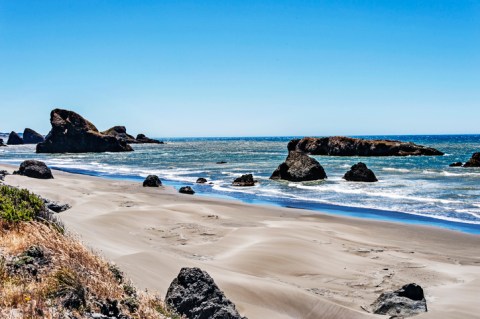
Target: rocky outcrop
[[120, 132], [405, 302], [34, 169], [201, 180], [456, 164], [56, 207], [360, 173], [299, 167], [32, 137], [186, 190], [142, 139], [474, 161], [14, 139], [195, 295], [347, 146], [1, 142], [152, 181], [71, 133], [244, 180]]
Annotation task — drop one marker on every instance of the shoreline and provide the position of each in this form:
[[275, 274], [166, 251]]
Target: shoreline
[[270, 261], [322, 208]]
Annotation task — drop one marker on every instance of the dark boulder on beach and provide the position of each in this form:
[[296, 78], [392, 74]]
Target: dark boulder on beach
[[201, 180], [405, 302], [456, 164], [152, 181], [71, 133], [474, 161], [195, 295], [32, 137], [142, 139], [244, 180], [14, 139], [56, 207], [34, 169], [186, 190], [120, 132], [360, 173], [299, 167], [347, 146]]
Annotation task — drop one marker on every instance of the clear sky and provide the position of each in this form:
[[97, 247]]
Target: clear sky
[[243, 68]]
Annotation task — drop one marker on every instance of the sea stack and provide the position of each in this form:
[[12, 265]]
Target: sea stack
[[474, 161], [32, 137], [71, 133], [120, 132], [14, 139], [347, 146], [299, 167], [360, 173]]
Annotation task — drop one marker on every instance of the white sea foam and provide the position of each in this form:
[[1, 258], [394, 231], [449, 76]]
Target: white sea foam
[[393, 169]]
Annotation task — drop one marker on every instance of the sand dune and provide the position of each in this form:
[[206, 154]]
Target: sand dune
[[271, 262]]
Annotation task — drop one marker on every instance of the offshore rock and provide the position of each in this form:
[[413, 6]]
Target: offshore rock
[[360, 173], [142, 139], [1, 142], [347, 146], [299, 167], [244, 180], [474, 161], [456, 164], [152, 181], [32, 137], [71, 133], [195, 295], [120, 132], [34, 169], [405, 302], [14, 139], [201, 180], [186, 190]]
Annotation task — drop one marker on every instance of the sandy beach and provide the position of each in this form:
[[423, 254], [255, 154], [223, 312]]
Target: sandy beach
[[271, 262]]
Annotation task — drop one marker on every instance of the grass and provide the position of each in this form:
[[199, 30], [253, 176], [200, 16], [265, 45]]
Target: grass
[[65, 278]]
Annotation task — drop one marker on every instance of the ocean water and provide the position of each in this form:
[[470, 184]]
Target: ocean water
[[414, 189]]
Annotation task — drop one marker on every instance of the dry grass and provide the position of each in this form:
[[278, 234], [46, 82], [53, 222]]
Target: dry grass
[[74, 281]]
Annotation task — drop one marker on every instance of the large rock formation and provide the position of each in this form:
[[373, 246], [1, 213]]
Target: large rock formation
[[142, 139], [474, 161], [360, 173], [71, 133], [347, 146], [32, 137], [195, 295], [405, 302], [244, 180], [14, 139], [120, 132], [35, 169], [299, 167]]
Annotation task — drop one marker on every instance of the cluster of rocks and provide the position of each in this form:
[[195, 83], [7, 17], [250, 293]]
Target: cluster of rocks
[[29, 137], [194, 294], [55, 206], [299, 167], [120, 132], [30, 262], [404, 302], [474, 161]]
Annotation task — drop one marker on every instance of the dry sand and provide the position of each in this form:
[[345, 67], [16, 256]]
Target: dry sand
[[271, 262]]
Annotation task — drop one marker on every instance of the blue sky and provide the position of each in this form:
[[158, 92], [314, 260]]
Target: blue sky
[[243, 68]]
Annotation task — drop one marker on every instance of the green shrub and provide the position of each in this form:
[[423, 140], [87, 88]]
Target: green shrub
[[19, 204]]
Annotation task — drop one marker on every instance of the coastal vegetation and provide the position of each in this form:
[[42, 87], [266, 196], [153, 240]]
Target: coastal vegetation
[[46, 272]]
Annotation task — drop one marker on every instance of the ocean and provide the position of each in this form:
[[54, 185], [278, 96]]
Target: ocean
[[413, 189]]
